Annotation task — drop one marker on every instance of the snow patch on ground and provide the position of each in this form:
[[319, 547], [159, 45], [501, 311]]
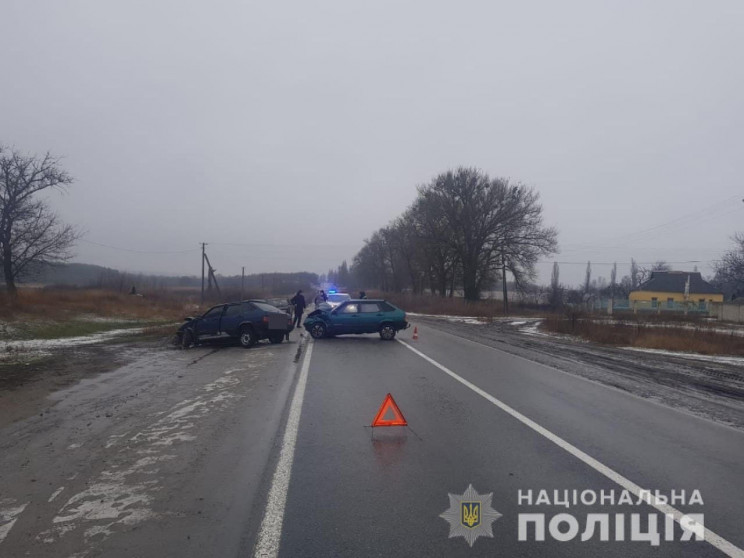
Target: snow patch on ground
[[8, 348], [705, 328], [736, 361], [475, 321], [462, 319], [122, 495], [7, 329], [533, 329]]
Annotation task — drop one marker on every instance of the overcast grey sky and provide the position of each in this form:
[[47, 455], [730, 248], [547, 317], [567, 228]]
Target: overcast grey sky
[[284, 133]]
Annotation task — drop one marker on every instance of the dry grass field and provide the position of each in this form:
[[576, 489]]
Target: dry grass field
[[52, 313], [428, 304], [698, 337]]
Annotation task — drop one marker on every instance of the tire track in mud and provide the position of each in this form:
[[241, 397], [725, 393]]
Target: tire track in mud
[[202, 357]]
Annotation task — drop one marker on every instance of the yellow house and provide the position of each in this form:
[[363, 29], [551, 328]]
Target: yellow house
[[671, 289]]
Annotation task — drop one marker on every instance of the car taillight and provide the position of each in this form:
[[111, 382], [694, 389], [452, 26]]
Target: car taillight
[[265, 319]]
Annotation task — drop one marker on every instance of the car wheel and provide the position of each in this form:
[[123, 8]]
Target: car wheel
[[247, 337], [187, 339], [318, 331], [276, 338], [387, 332]]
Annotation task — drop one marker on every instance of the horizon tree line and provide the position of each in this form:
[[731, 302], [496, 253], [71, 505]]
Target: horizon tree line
[[464, 231]]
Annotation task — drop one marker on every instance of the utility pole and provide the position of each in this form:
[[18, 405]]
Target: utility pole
[[613, 280], [503, 281], [203, 257], [242, 283], [212, 277]]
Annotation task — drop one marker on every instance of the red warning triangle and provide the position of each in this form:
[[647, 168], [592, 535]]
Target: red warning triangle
[[389, 405]]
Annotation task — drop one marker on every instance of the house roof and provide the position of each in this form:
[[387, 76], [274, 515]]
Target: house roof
[[674, 282]]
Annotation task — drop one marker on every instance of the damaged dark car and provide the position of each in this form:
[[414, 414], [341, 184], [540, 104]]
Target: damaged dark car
[[246, 322]]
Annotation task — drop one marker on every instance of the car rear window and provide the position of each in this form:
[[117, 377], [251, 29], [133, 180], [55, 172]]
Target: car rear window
[[385, 307], [266, 307], [369, 307]]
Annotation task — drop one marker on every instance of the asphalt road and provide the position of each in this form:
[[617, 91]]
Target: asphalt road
[[357, 491], [162, 457], [231, 452]]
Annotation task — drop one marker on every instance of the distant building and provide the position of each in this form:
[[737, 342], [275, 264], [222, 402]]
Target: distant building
[[671, 289]]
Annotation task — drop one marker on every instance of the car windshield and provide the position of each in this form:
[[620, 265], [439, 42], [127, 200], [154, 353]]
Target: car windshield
[[338, 297]]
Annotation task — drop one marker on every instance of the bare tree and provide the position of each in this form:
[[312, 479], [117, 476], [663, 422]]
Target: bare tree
[[371, 265], [408, 243], [555, 294], [492, 225], [30, 233], [464, 228], [588, 278], [730, 269], [625, 286], [634, 274], [644, 273], [439, 254]]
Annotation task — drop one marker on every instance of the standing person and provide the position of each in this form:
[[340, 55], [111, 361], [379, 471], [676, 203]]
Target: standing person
[[320, 298], [298, 301], [325, 296], [362, 294]]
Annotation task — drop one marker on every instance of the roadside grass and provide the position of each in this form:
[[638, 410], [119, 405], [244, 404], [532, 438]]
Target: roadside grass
[[702, 338], [72, 328], [57, 304], [455, 306], [58, 313]]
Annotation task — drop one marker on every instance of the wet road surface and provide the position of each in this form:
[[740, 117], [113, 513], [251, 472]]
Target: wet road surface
[[233, 452], [357, 491]]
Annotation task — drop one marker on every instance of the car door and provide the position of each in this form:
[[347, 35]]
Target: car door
[[346, 318], [231, 319], [252, 314], [370, 316], [208, 325]]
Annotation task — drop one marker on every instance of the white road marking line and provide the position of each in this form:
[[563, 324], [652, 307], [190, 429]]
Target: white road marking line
[[716, 540], [270, 532]]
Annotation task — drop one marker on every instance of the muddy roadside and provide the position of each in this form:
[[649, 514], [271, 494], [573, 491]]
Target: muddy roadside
[[28, 379], [707, 387]]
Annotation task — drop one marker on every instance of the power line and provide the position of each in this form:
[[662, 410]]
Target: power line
[[139, 251], [625, 263], [272, 245], [679, 220], [696, 217]]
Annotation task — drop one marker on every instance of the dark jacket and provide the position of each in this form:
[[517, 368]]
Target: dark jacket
[[299, 302]]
